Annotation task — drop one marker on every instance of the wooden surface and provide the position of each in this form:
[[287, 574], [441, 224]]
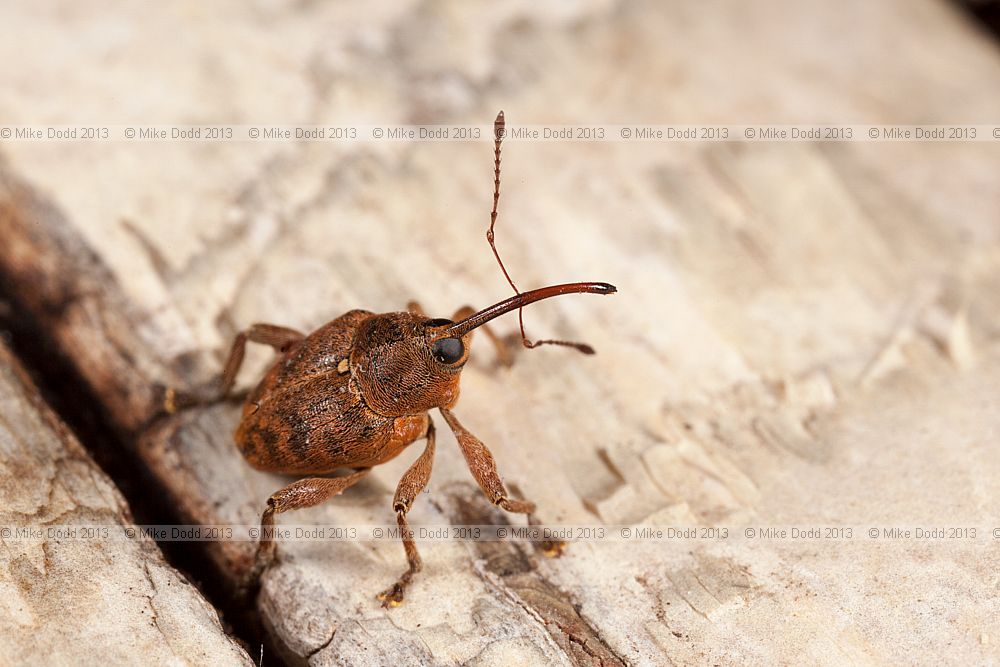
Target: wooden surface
[[71, 599], [804, 334]]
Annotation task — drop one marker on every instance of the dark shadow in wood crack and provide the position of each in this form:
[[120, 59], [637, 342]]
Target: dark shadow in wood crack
[[54, 287]]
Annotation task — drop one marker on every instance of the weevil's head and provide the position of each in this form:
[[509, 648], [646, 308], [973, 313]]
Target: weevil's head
[[407, 364], [402, 368]]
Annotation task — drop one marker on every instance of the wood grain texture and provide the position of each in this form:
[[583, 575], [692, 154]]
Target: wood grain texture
[[72, 600], [804, 334]]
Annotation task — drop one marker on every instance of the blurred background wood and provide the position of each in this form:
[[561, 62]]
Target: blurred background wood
[[806, 333]]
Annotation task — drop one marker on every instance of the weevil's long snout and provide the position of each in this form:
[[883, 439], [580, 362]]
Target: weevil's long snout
[[459, 329]]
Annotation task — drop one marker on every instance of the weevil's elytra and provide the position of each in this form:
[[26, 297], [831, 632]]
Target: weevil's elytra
[[356, 392]]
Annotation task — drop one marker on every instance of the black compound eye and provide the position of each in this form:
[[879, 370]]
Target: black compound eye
[[448, 350]]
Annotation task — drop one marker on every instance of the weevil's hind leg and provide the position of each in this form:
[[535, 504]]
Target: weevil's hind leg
[[303, 493], [412, 483], [504, 355], [484, 469], [415, 308], [278, 337]]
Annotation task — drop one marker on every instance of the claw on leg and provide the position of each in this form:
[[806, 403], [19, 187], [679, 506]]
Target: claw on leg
[[394, 595], [552, 548], [172, 401], [549, 548]]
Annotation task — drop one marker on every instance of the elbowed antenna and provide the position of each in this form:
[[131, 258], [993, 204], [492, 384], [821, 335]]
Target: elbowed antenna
[[519, 301]]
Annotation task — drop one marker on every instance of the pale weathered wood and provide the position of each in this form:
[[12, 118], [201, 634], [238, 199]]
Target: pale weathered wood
[[71, 599], [805, 334]]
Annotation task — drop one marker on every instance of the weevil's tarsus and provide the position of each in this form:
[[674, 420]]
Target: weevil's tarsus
[[412, 483]]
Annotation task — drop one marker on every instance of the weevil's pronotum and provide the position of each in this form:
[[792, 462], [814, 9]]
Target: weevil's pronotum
[[356, 392]]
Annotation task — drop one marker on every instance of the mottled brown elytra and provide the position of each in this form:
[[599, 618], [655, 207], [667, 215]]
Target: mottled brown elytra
[[356, 392]]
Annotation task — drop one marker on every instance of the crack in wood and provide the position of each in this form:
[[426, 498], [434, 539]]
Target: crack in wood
[[62, 295], [333, 633]]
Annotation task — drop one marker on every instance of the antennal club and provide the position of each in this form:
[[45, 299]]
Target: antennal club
[[499, 130]]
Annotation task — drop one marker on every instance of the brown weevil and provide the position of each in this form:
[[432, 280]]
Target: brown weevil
[[356, 392]]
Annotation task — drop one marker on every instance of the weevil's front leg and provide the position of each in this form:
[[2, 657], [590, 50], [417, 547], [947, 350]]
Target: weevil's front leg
[[303, 493], [412, 483], [280, 338], [484, 469]]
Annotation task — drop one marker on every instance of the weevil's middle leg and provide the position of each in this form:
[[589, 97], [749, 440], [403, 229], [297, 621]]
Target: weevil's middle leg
[[297, 495], [484, 469], [412, 483]]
